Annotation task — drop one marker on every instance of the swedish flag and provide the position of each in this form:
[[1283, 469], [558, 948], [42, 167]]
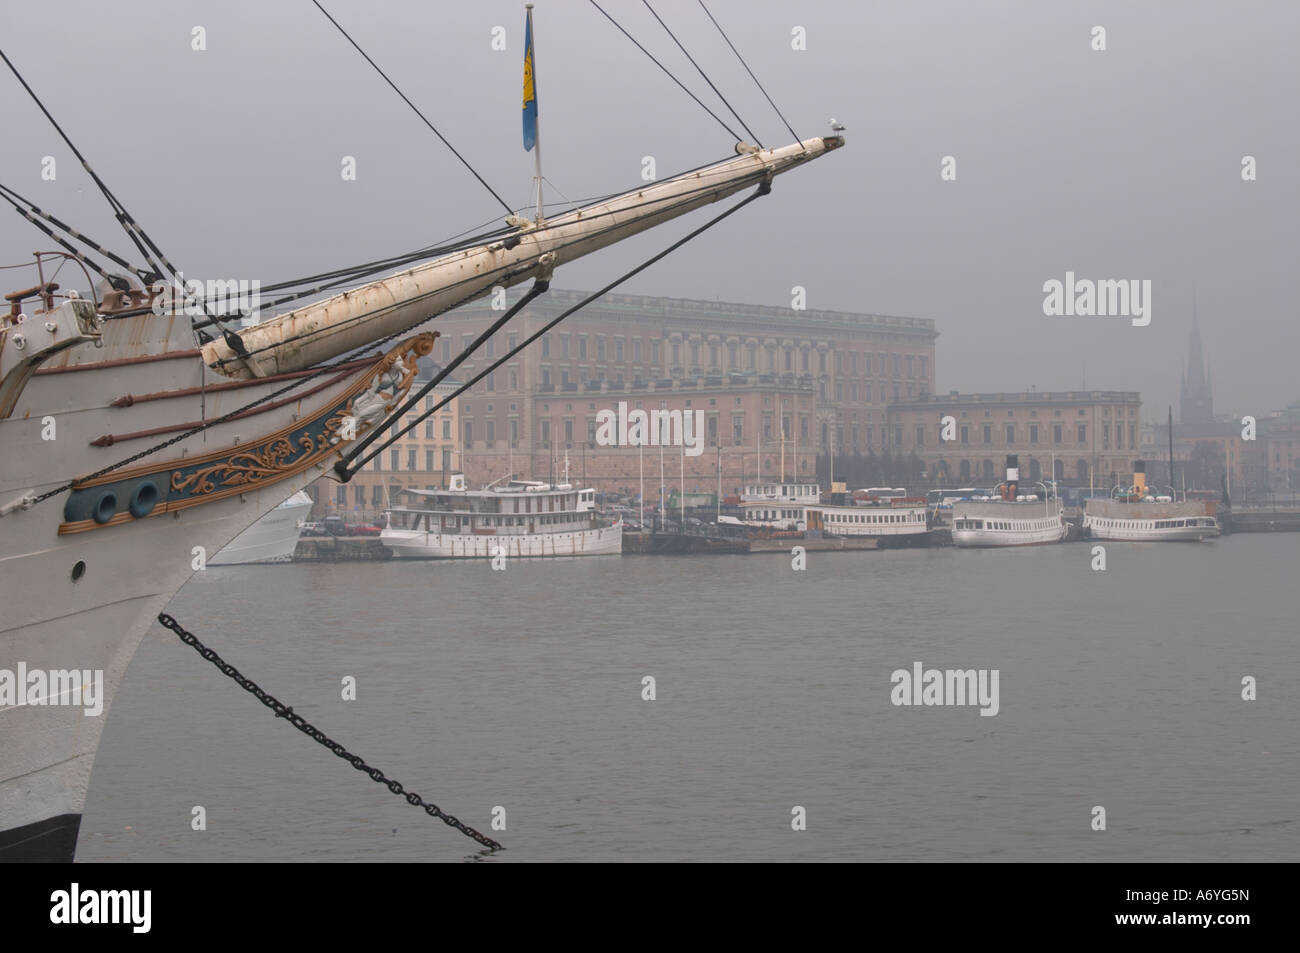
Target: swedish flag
[[530, 88]]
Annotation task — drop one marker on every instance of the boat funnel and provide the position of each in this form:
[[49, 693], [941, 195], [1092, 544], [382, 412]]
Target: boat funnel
[[1139, 478], [456, 481], [1012, 484]]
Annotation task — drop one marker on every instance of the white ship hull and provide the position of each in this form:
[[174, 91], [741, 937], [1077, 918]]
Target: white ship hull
[[1146, 531], [1173, 522], [413, 544], [795, 507], [272, 539], [861, 521], [79, 594], [998, 524]]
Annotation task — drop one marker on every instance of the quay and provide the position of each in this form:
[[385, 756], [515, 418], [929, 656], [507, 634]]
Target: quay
[[339, 549]]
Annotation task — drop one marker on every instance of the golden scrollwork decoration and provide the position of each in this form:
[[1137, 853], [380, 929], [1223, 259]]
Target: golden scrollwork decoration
[[241, 469]]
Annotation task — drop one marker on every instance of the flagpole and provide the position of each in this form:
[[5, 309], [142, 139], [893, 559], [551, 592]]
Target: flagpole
[[537, 123]]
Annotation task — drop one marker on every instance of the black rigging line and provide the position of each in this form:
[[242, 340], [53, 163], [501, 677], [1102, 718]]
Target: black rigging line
[[124, 218], [453, 244], [344, 276], [463, 160], [730, 131], [6, 193], [539, 287], [133, 230], [702, 73], [346, 473], [751, 73], [72, 250]]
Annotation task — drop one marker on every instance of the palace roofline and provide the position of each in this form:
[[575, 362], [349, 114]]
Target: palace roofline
[[1021, 397], [645, 306]]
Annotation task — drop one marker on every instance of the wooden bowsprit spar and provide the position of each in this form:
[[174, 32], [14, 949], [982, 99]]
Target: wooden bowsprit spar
[[325, 329]]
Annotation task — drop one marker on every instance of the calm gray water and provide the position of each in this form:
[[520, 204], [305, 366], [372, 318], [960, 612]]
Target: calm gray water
[[523, 689]]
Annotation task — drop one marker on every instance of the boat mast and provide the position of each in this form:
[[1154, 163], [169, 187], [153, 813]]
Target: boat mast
[[530, 86], [660, 515], [719, 499], [1171, 452]]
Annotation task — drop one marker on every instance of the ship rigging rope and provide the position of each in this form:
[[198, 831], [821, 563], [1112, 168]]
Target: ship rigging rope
[[539, 287], [702, 73], [668, 72], [750, 71], [72, 251], [464, 161], [346, 472], [307, 728], [124, 218], [503, 270], [27, 208]]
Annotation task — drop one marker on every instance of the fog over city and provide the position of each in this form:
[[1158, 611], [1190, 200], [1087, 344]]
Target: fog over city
[[1122, 164]]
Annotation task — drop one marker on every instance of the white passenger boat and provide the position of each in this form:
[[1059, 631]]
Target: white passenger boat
[[1133, 514], [272, 539], [798, 507], [1009, 518], [514, 518]]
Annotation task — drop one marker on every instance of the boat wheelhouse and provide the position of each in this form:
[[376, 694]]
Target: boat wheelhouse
[[508, 518], [1009, 517]]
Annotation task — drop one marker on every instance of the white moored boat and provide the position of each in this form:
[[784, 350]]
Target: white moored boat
[[1132, 514], [1011, 518], [516, 518], [272, 539], [798, 507]]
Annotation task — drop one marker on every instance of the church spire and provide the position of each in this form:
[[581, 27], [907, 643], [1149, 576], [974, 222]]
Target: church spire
[[1197, 403]]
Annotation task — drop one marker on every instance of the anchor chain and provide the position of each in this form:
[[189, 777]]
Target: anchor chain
[[286, 712]]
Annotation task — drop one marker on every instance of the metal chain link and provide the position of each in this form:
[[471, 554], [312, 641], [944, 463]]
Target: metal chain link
[[286, 712]]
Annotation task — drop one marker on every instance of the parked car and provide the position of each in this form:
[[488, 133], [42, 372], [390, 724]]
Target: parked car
[[313, 529], [364, 529], [334, 526]]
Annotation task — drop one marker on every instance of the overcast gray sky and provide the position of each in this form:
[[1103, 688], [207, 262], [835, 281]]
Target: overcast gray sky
[[1120, 164]]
